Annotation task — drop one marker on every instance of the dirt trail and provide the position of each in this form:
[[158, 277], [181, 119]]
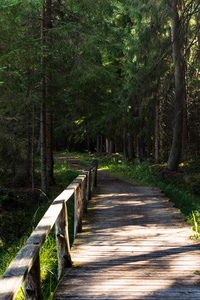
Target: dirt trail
[[73, 162]]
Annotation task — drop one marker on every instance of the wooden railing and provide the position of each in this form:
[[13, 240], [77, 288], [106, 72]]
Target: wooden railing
[[26, 265]]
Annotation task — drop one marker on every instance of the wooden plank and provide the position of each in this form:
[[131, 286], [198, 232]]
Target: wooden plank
[[18, 269], [32, 283], [62, 241], [134, 245], [14, 276]]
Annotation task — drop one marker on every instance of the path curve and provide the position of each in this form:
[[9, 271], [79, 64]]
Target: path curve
[[134, 245]]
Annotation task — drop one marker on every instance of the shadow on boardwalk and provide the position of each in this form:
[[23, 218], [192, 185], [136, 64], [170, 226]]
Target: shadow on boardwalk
[[134, 245]]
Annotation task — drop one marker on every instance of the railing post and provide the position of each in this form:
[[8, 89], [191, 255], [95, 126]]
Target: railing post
[[84, 193], [78, 210], [26, 265], [95, 176], [89, 183], [62, 241], [32, 283]]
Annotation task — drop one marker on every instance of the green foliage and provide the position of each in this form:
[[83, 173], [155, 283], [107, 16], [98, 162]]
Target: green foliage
[[49, 267], [20, 212]]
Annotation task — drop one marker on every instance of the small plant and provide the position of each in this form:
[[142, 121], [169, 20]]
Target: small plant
[[194, 222], [195, 236]]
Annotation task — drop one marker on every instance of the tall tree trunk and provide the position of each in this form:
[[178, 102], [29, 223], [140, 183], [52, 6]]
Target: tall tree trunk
[[198, 34], [107, 145], [42, 116], [130, 146], [49, 118], [111, 147], [156, 145], [125, 143], [184, 133], [98, 144], [49, 148], [33, 150], [43, 153], [101, 143], [180, 91]]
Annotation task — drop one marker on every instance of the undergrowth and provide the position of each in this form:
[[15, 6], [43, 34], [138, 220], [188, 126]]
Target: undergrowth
[[20, 214]]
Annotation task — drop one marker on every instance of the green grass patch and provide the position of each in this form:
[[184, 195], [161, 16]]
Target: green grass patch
[[20, 213]]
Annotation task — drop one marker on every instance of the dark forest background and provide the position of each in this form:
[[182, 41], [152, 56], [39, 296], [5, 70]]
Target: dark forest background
[[102, 76]]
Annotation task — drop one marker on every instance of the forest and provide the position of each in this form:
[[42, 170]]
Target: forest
[[116, 79], [103, 76], [109, 76]]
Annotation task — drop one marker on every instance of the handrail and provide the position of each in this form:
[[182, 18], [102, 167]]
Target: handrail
[[26, 265]]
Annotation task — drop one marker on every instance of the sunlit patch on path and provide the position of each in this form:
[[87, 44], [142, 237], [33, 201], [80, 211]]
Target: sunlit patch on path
[[134, 245]]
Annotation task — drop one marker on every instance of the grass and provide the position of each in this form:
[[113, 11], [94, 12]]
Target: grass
[[20, 212]]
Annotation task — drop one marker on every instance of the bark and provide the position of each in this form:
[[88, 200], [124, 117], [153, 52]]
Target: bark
[[180, 92], [107, 146], [43, 153], [32, 283], [184, 133], [142, 145], [49, 149], [125, 143], [198, 34], [42, 117], [111, 147], [141, 140], [98, 144], [49, 118], [130, 146], [88, 143], [156, 133], [33, 150]]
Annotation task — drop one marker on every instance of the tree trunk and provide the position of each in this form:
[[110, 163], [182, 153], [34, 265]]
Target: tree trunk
[[130, 146], [49, 118], [43, 153], [156, 145], [198, 34], [49, 149], [98, 144], [111, 147], [42, 117], [184, 133], [180, 92], [107, 146], [33, 150], [125, 143]]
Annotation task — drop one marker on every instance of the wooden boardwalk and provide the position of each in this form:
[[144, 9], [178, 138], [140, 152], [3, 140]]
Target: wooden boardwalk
[[134, 245]]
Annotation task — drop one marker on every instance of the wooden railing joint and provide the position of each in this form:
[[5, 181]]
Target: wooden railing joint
[[26, 265]]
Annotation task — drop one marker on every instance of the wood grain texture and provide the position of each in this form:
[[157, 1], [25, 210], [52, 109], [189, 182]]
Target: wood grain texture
[[134, 245], [24, 261]]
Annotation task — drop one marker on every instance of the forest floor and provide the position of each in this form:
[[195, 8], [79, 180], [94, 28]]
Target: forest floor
[[73, 162]]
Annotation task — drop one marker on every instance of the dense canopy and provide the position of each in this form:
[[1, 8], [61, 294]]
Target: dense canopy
[[101, 76]]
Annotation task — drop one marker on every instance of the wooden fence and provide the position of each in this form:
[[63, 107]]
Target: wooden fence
[[26, 265]]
